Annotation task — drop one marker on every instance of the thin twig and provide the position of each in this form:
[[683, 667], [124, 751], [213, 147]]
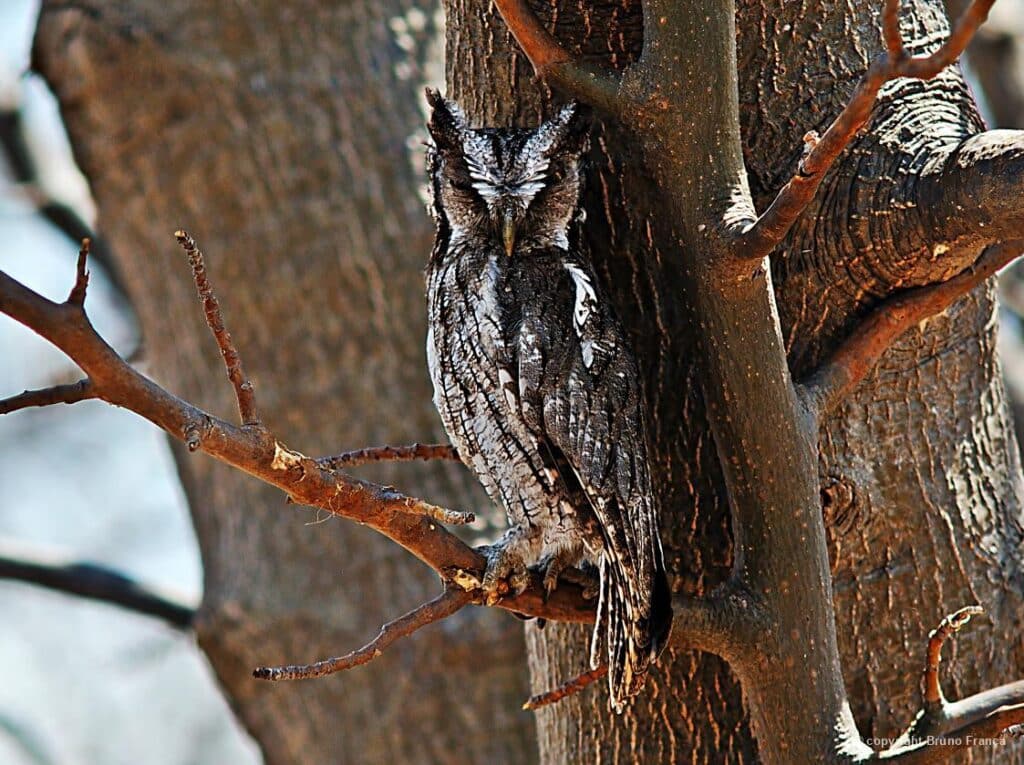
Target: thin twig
[[92, 581], [941, 728], [441, 607], [373, 454], [77, 295], [891, 30], [57, 394], [215, 320], [417, 506], [949, 626], [767, 232], [858, 354], [568, 688]]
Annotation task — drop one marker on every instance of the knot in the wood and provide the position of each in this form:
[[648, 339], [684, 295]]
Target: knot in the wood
[[839, 505]]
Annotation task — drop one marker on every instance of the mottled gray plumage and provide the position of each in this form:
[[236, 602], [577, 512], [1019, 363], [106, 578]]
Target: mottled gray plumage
[[534, 381]]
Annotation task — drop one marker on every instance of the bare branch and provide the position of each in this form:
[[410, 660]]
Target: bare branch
[[554, 64], [92, 581], [427, 510], [767, 232], [568, 688], [257, 452], [926, 67], [57, 394], [232, 360], [942, 729], [962, 725], [373, 454], [77, 296], [441, 607], [891, 30], [949, 626], [858, 354]]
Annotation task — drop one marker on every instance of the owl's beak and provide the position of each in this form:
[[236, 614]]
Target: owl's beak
[[508, 233]]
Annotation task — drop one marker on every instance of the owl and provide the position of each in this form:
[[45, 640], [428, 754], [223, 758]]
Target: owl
[[534, 381]]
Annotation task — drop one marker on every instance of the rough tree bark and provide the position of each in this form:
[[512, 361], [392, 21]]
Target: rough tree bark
[[921, 482], [279, 134]]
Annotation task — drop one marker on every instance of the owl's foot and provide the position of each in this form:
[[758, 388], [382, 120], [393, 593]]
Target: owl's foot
[[586, 577], [506, 568], [560, 565]]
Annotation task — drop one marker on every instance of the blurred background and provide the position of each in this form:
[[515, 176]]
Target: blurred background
[[91, 683], [85, 682]]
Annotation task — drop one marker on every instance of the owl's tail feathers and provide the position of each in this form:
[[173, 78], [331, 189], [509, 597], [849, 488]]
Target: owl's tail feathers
[[633, 634]]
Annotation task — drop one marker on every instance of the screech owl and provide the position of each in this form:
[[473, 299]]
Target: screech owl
[[534, 381]]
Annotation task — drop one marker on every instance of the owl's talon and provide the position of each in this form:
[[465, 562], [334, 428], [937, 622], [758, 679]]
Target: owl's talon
[[585, 577], [559, 564], [506, 573]]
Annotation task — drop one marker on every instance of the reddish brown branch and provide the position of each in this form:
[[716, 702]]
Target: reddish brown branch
[[57, 394], [257, 452], [978, 720], [539, 45], [427, 510], [568, 688], [949, 626], [942, 729], [891, 30], [859, 353], [767, 232], [553, 63], [215, 320], [77, 295], [441, 607], [373, 454]]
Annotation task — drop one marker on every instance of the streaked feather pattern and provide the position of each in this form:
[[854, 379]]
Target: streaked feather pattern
[[533, 379]]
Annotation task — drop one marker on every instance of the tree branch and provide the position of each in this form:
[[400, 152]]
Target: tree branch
[[373, 454], [941, 729], [93, 581], [762, 236], [77, 294], [568, 688], [444, 605], [554, 64], [244, 393], [729, 622], [976, 195], [949, 626], [256, 451], [57, 394], [826, 388]]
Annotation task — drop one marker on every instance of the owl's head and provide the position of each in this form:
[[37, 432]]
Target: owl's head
[[518, 187]]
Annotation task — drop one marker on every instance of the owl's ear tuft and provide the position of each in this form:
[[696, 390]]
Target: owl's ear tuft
[[567, 131], [446, 122]]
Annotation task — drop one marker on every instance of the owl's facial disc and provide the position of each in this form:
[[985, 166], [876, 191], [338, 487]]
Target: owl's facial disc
[[518, 187]]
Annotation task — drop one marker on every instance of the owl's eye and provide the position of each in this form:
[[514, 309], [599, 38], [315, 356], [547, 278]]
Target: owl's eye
[[460, 185]]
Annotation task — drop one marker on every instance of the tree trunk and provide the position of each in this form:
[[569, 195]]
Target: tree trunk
[[280, 136], [920, 474]]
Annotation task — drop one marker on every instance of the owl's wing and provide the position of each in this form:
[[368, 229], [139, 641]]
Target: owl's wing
[[595, 423], [592, 421]]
